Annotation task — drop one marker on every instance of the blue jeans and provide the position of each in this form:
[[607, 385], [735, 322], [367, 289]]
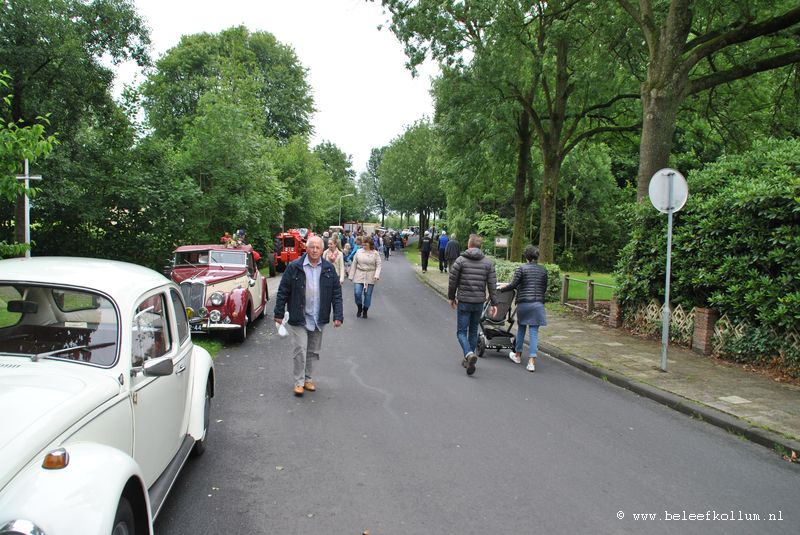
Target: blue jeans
[[361, 295], [467, 317], [534, 344]]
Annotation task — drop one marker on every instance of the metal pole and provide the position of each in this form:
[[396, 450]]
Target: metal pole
[[665, 321], [27, 222]]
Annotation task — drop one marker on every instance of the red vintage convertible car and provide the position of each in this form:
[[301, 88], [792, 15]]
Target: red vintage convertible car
[[222, 287]]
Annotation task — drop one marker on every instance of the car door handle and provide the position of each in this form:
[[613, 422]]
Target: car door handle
[[181, 369]]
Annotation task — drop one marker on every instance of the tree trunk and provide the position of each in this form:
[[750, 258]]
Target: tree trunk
[[660, 110], [547, 229], [522, 198]]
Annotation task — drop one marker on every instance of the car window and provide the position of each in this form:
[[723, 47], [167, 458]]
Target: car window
[[150, 330], [180, 312], [232, 258], [58, 323]]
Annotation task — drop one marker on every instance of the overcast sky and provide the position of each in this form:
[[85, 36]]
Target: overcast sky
[[363, 93]]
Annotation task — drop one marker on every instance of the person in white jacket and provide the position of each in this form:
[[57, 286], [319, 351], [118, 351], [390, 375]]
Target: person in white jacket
[[333, 255], [365, 272]]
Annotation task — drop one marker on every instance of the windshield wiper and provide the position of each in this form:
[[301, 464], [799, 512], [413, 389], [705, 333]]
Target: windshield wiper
[[38, 356]]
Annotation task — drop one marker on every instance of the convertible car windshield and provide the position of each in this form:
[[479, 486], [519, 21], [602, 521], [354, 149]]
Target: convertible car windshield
[[57, 323], [212, 257]]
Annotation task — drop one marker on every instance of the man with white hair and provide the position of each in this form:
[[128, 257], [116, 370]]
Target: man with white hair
[[309, 289]]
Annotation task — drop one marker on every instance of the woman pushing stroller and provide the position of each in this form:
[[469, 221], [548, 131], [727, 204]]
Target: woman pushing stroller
[[530, 281]]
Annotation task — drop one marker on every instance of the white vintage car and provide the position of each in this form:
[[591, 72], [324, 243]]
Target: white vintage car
[[103, 396]]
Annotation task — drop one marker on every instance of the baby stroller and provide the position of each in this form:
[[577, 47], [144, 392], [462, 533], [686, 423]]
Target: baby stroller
[[494, 332]]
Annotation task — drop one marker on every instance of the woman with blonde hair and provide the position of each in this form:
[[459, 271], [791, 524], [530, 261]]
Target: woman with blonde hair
[[333, 255], [365, 272]]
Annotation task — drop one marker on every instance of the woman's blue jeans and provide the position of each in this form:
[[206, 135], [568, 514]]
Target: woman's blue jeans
[[362, 297], [468, 315], [534, 344]]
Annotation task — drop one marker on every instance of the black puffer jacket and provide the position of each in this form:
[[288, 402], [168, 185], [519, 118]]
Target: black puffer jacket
[[471, 275], [530, 281]]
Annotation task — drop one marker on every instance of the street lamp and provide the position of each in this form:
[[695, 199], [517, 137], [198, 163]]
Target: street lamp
[[340, 205]]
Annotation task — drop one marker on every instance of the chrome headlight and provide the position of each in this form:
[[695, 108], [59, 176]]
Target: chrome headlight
[[217, 299], [215, 315]]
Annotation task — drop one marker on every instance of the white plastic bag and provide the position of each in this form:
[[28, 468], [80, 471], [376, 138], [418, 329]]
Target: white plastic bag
[[282, 327]]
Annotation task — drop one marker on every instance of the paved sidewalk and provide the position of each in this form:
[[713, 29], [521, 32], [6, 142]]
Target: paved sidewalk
[[754, 406]]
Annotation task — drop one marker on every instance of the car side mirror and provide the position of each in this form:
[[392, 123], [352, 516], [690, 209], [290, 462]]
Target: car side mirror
[[158, 367]]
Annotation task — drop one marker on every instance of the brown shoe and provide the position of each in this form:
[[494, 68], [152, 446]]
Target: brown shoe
[[298, 390], [310, 386]]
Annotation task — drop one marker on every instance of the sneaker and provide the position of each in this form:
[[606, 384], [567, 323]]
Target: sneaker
[[471, 359], [531, 367], [514, 357]]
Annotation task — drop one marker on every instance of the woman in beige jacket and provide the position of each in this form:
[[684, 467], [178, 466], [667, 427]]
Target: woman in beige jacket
[[333, 255], [365, 271]]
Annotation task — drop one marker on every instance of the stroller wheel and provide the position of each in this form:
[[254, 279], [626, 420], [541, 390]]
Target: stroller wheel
[[481, 348]]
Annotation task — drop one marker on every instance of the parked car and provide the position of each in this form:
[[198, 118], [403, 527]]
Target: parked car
[[221, 286], [103, 396]]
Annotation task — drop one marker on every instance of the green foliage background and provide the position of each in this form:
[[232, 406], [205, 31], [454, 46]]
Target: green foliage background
[[736, 248]]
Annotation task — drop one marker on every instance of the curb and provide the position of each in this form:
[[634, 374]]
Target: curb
[[695, 409]]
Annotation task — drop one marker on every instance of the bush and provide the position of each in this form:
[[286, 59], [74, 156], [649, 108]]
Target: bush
[[505, 272], [736, 246]]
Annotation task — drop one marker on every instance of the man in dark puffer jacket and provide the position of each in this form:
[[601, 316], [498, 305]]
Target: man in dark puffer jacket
[[471, 276]]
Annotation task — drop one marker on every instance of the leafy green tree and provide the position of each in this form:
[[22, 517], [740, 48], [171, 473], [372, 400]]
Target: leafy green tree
[[543, 57], [594, 211], [264, 74], [370, 185], [407, 177], [53, 50], [695, 45], [341, 179], [17, 143], [306, 184], [230, 160]]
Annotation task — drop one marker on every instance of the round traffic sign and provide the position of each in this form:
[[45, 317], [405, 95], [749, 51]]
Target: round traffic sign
[[659, 190]]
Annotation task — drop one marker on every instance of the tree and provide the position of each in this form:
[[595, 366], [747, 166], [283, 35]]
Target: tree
[[18, 143], [53, 50], [264, 74], [341, 177], [409, 182], [693, 46], [543, 56], [370, 184]]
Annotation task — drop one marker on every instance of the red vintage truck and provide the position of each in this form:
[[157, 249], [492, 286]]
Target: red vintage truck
[[290, 245]]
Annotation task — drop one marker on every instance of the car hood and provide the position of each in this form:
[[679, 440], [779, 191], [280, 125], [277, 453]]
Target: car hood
[[208, 274], [41, 400]]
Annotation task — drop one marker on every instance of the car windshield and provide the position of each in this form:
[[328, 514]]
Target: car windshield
[[58, 323], [229, 258]]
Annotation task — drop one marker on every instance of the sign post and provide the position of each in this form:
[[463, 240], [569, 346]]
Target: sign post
[[668, 192], [501, 241], [27, 177]]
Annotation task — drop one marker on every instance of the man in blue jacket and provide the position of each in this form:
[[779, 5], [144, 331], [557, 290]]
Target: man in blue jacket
[[309, 289]]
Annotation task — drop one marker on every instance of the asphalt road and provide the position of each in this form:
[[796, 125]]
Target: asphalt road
[[398, 440]]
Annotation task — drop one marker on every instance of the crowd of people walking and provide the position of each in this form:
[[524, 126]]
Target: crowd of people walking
[[311, 289]]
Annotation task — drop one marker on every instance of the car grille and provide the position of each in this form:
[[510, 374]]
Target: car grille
[[194, 293]]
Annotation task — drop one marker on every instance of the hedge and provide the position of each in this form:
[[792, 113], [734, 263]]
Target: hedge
[[736, 248], [505, 272]]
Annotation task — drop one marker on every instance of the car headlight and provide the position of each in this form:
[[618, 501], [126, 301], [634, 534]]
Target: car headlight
[[25, 527], [215, 315], [217, 299]]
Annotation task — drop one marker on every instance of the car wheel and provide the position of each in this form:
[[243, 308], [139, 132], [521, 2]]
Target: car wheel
[[241, 334], [124, 523], [481, 346], [200, 445]]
